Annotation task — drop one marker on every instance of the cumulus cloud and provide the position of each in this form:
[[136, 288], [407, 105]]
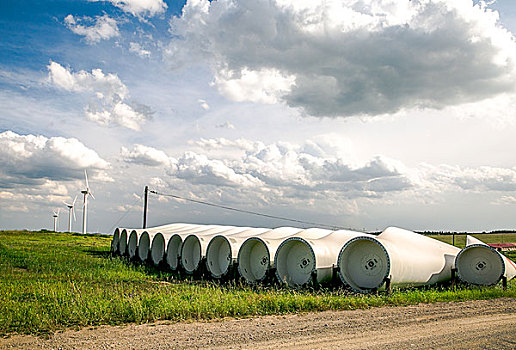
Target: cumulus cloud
[[140, 8], [279, 167], [145, 155], [199, 169], [30, 160], [225, 125], [479, 179], [104, 27], [265, 85], [109, 96], [316, 175], [139, 50], [204, 105], [318, 168], [218, 143], [505, 200], [361, 57]]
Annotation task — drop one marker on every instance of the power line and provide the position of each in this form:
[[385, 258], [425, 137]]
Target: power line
[[246, 211], [124, 215]]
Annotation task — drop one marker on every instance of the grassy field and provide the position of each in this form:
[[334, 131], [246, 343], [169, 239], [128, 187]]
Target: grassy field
[[460, 240], [52, 281]]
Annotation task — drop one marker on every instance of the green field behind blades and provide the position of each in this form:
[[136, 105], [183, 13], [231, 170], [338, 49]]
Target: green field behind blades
[[460, 240], [51, 281]]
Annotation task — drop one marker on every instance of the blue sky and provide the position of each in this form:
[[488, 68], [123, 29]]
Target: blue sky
[[361, 114]]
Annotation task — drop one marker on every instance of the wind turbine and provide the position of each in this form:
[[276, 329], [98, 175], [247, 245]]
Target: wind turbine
[[71, 210], [56, 216], [86, 193]]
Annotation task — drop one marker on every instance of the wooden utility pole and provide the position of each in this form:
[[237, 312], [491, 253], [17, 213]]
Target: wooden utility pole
[[145, 198]]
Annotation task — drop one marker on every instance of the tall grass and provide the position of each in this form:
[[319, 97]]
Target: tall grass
[[51, 281]]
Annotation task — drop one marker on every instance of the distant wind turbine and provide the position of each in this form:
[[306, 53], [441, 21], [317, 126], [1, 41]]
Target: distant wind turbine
[[71, 210], [86, 193], [56, 216]]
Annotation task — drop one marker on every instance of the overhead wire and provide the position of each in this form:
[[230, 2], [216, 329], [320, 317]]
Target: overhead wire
[[124, 214], [246, 211]]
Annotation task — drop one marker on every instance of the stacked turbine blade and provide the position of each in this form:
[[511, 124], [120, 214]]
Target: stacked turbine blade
[[298, 257]]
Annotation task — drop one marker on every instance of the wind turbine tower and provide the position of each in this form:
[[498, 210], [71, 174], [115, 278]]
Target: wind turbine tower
[[56, 216], [86, 193], [71, 210]]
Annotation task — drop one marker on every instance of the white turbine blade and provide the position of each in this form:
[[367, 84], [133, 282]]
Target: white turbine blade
[[86, 178], [73, 203], [73, 212], [91, 194], [58, 210], [66, 204]]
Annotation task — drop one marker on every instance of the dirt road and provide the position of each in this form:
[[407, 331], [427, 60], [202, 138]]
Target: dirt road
[[489, 324]]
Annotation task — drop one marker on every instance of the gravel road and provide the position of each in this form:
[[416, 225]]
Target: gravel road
[[484, 324]]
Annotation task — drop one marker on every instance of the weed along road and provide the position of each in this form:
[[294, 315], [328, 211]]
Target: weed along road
[[477, 324]]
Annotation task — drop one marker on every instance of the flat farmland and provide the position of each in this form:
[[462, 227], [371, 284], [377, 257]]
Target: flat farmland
[[54, 282]]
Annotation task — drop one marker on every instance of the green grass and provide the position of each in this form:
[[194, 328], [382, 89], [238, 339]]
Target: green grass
[[52, 281], [460, 240]]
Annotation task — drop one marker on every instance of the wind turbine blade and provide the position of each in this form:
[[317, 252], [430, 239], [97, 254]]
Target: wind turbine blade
[[73, 212], [86, 178], [58, 210], [73, 203], [91, 194]]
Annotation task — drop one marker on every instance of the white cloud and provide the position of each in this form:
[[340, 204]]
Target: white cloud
[[265, 85], [278, 168], [337, 58], [145, 155], [104, 28], [29, 160], [140, 8], [139, 50], [505, 200], [480, 179], [225, 125], [199, 169], [109, 96], [204, 104], [242, 144], [317, 170]]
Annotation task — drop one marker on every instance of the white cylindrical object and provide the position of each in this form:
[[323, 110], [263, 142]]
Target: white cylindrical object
[[132, 242], [193, 249], [308, 254], [256, 254], [175, 241], [405, 257], [481, 264], [222, 251], [134, 238], [115, 240], [140, 239], [144, 242], [160, 240], [122, 242]]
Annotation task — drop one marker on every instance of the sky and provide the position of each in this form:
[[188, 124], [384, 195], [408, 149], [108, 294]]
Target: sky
[[361, 114]]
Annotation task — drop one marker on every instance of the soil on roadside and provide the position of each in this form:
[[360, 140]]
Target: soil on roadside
[[480, 324]]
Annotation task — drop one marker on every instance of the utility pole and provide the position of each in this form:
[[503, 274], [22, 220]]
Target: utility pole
[[145, 197]]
